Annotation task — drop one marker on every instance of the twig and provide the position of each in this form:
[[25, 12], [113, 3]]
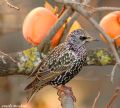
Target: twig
[[46, 42], [11, 5], [116, 93], [96, 99], [7, 56], [68, 25], [68, 1], [91, 10], [3, 60], [62, 11], [113, 72], [104, 9], [114, 42], [83, 4]]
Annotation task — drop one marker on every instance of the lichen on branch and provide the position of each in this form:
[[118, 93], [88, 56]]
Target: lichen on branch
[[28, 59]]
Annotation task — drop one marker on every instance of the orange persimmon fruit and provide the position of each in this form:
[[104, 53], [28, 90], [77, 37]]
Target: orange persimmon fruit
[[110, 23], [37, 25]]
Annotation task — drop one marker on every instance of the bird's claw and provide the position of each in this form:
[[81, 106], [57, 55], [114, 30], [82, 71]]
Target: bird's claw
[[63, 90]]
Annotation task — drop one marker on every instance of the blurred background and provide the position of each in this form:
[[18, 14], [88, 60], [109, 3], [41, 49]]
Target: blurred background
[[85, 86]]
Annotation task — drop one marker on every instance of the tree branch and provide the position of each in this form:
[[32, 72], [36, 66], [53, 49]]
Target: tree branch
[[99, 9], [25, 62], [28, 59]]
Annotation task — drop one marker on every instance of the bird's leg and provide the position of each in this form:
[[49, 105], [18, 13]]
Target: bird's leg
[[62, 91]]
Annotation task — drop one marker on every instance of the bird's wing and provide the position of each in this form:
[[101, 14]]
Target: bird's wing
[[59, 65], [55, 64], [54, 53]]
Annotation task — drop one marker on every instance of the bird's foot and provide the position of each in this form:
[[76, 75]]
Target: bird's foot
[[65, 90]]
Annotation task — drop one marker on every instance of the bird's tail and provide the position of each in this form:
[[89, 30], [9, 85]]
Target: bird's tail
[[32, 94], [32, 84], [34, 87]]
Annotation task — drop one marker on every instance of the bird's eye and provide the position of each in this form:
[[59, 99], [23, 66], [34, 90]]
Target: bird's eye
[[82, 38]]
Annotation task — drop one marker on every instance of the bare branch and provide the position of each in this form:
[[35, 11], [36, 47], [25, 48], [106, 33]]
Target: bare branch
[[62, 11], [76, 2], [68, 1], [116, 93], [96, 99], [113, 72], [11, 5], [99, 9]]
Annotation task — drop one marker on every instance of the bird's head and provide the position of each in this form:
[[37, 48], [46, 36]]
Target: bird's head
[[79, 37]]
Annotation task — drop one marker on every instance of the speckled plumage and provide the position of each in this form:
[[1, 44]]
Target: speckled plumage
[[62, 63]]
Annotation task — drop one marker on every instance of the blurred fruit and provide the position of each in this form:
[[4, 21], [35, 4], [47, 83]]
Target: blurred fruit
[[111, 25], [37, 25]]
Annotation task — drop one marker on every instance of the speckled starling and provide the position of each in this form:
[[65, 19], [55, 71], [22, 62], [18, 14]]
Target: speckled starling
[[62, 63]]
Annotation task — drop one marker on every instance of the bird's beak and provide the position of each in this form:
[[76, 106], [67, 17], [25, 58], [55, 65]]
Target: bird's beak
[[90, 38]]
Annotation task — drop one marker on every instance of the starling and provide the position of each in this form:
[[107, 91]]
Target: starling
[[62, 63]]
